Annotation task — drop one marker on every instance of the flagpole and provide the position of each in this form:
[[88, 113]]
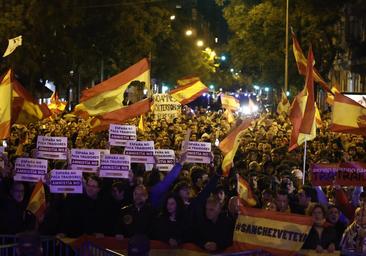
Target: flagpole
[[286, 51], [304, 164]]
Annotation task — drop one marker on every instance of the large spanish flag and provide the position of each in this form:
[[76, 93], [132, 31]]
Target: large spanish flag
[[186, 93], [348, 116], [56, 106], [275, 232], [229, 102], [119, 116], [302, 64], [284, 105], [37, 201], [230, 145], [5, 106], [302, 113], [108, 95]]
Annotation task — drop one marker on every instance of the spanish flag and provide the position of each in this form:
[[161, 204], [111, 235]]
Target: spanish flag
[[230, 144], [57, 106], [13, 43], [348, 116], [284, 105], [229, 116], [119, 116], [186, 93], [278, 233], [302, 64], [24, 108], [229, 102], [187, 80], [245, 192], [37, 201], [330, 96], [5, 106], [108, 95], [302, 113]]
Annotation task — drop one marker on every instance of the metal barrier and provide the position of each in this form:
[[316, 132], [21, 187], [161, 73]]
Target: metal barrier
[[50, 246]]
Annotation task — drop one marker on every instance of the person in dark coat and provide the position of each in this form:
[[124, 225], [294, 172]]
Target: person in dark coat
[[322, 236], [136, 218], [169, 225], [213, 231]]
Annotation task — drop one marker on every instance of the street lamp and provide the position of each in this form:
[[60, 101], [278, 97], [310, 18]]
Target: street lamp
[[189, 32], [200, 43], [172, 17]]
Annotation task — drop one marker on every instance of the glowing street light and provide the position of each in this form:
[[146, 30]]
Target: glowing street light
[[189, 32], [172, 17], [266, 89], [231, 70], [200, 43]]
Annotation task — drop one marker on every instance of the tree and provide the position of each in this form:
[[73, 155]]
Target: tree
[[257, 44]]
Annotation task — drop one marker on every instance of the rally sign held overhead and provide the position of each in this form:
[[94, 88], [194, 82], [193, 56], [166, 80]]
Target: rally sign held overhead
[[52, 147], [115, 166], [30, 169], [165, 106], [86, 160], [66, 181], [198, 152], [120, 134], [141, 151], [165, 159]]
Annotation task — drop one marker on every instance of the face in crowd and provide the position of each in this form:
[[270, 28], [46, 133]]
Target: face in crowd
[[92, 188], [318, 215], [140, 196], [333, 215], [213, 209], [17, 192], [282, 202]]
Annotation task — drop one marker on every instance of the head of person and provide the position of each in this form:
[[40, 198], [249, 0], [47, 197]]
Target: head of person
[[29, 244], [92, 186], [333, 214], [118, 191], [267, 196], [182, 189], [173, 206], [197, 177], [213, 208], [281, 201], [318, 214], [140, 195], [304, 196], [360, 216], [220, 194], [17, 191]]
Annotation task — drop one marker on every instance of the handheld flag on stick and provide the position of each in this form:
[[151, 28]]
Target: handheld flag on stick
[[37, 201], [188, 90], [245, 192], [229, 102], [13, 43], [302, 113], [57, 106], [230, 145]]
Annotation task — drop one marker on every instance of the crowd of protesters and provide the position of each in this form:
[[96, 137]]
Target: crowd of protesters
[[192, 202]]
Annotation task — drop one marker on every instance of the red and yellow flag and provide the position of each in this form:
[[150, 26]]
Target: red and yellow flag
[[330, 96], [108, 95], [348, 116], [230, 144], [275, 232], [187, 80], [302, 113], [119, 116], [57, 106], [229, 102], [229, 116], [302, 64], [245, 192], [37, 201], [141, 126], [186, 93], [5, 106]]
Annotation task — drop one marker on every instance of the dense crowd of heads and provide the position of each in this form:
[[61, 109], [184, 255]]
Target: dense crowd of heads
[[192, 202]]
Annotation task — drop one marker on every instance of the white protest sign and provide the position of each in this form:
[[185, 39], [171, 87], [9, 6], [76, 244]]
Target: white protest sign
[[140, 151], [66, 181], [86, 160], [165, 106], [165, 159], [198, 152], [52, 147], [120, 134], [30, 169], [115, 166]]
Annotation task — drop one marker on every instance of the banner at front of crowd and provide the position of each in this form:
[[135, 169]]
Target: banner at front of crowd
[[165, 106], [275, 232], [343, 174]]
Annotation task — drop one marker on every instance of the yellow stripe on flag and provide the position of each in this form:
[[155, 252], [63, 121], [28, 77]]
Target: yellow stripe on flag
[[37, 202], [346, 114], [184, 95], [5, 106]]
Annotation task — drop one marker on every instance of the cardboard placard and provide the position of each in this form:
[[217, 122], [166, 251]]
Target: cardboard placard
[[66, 181], [165, 159], [115, 166], [165, 106], [140, 151], [198, 152], [30, 169], [52, 147], [120, 134], [87, 160]]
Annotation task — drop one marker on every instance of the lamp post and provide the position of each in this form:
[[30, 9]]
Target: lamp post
[[286, 53]]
